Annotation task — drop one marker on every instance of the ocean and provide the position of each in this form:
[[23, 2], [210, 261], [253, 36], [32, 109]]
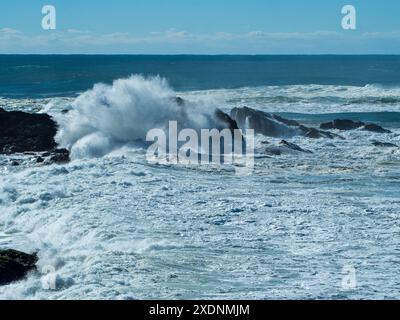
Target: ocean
[[110, 225]]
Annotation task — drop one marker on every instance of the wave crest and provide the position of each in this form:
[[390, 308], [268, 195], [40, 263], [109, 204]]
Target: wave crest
[[109, 116]]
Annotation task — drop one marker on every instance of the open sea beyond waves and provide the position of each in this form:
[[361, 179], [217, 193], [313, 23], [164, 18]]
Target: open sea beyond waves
[[113, 226]]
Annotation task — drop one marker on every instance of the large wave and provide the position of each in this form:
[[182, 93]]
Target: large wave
[[109, 116]]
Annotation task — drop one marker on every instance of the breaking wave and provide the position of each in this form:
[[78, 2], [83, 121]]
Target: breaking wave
[[109, 116]]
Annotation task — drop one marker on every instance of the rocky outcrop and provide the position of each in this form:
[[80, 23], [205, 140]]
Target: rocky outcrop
[[25, 132], [340, 124], [344, 124], [58, 156], [272, 125], [22, 132], [375, 128], [226, 120], [15, 265]]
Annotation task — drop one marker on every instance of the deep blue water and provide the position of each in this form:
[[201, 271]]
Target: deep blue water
[[64, 75]]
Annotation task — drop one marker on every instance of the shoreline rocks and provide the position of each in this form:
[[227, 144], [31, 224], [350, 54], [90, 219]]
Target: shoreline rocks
[[30, 133], [15, 265], [25, 132], [275, 126], [346, 125]]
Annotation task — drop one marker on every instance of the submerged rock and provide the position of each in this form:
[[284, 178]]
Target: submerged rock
[[293, 146], [60, 156], [345, 125], [14, 265], [284, 147], [275, 126], [384, 144], [179, 101]]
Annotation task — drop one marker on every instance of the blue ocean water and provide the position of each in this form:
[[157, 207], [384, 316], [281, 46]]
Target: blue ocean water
[[113, 226], [63, 75]]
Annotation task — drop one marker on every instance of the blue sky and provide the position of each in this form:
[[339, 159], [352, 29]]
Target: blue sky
[[200, 27]]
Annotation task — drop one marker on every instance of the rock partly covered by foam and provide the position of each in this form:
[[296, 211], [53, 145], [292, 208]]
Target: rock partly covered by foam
[[22, 132], [375, 128], [221, 119], [272, 125], [226, 120], [293, 146], [344, 124], [15, 265], [384, 144]]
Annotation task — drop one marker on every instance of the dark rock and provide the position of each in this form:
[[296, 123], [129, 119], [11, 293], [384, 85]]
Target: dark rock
[[65, 111], [24, 132], [15, 265], [317, 134], [14, 163], [61, 151], [375, 128], [61, 156], [384, 144], [179, 101], [293, 146], [341, 124], [39, 160], [261, 122], [274, 151], [226, 120], [272, 125]]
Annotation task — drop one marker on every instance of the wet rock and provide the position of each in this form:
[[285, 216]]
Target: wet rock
[[272, 125], [384, 144], [318, 134], [293, 146], [25, 132], [226, 120], [14, 163], [375, 128], [179, 101], [60, 156], [342, 124], [15, 265], [345, 125], [39, 160]]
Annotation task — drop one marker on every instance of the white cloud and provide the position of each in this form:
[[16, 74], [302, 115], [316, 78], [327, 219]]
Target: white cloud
[[9, 31], [382, 35], [173, 40]]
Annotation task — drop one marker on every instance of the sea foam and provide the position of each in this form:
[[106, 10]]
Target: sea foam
[[109, 116]]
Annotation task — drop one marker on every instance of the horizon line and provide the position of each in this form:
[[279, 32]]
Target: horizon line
[[199, 54]]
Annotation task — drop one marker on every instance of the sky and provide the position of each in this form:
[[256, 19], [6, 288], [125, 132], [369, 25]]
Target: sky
[[200, 27]]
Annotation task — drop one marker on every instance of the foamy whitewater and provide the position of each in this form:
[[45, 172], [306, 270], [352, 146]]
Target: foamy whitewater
[[112, 226]]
